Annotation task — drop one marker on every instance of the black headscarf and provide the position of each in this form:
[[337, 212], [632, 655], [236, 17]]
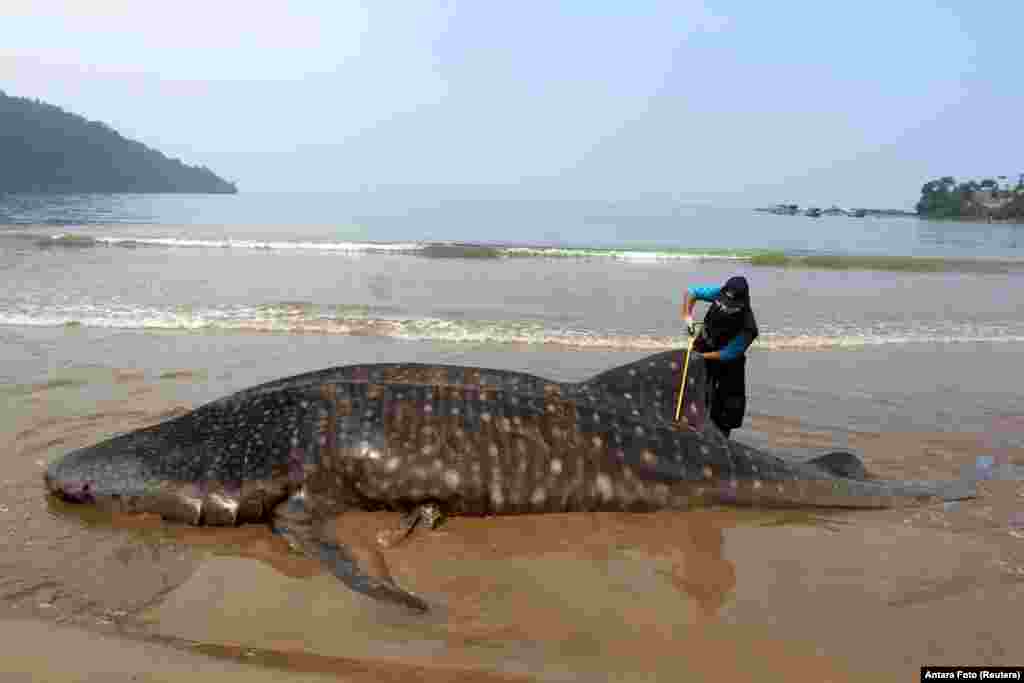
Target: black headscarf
[[729, 315]]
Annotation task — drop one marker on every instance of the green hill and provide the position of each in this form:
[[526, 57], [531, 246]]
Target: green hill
[[46, 149]]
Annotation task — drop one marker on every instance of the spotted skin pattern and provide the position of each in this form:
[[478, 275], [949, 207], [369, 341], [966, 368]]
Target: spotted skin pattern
[[427, 439]]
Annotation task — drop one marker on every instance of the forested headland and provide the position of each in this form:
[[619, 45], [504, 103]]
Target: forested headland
[[44, 149]]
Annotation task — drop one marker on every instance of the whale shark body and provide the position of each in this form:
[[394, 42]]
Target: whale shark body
[[422, 439]]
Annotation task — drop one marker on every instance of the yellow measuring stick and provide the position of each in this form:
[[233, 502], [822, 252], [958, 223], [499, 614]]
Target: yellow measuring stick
[[682, 382]]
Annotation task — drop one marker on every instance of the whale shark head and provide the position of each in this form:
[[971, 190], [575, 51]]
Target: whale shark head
[[176, 470], [113, 470]]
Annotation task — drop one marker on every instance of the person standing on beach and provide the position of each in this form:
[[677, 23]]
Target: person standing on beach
[[729, 330]]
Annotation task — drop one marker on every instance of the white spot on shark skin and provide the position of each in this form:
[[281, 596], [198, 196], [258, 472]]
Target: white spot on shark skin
[[780, 488], [459, 433], [485, 416], [493, 450], [455, 411], [295, 441], [692, 381], [374, 454], [648, 456], [392, 464], [628, 397], [597, 442], [496, 495], [551, 408], [757, 484], [708, 473], [639, 431], [693, 408], [632, 373], [603, 484], [451, 479], [517, 421], [428, 409], [427, 449], [556, 466], [506, 424], [538, 497], [438, 465], [704, 450]]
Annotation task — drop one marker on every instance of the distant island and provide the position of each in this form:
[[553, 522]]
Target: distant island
[[992, 199], [989, 199], [44, 149]]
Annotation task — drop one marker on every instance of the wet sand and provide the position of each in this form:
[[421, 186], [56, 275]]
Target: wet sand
[[715, 594]]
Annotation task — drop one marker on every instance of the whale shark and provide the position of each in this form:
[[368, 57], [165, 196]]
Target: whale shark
[[433, 440]]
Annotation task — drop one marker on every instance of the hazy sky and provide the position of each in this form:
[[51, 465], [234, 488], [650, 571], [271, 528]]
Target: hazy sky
[[741, 103]]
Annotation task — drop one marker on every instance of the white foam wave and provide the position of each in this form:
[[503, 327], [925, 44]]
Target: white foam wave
[[277, 245], [362, 321], [356, 247]]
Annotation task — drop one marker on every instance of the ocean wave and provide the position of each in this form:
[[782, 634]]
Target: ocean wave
[[763, 258], [368, 321], [467, 250]]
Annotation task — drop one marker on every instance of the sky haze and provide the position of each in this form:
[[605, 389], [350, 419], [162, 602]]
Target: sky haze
[[741, 103]]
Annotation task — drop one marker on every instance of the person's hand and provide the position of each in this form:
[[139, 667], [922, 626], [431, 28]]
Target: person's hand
[[691, 328]]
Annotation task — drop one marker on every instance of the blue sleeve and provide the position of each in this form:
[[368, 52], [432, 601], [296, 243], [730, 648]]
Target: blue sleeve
[[704, 292], [736, 346]]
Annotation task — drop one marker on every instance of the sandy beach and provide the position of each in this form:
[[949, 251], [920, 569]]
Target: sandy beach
[[720, 594]]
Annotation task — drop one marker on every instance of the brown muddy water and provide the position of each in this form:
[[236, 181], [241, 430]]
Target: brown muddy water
[[721, 594]]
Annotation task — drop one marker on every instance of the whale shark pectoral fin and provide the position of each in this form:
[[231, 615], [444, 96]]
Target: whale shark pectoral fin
[[429, 514], [841, 464], [343, 551], [363, 577]]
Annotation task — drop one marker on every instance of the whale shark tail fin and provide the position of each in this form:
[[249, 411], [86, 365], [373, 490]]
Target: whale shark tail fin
[[841, 464], [964, 488], [849, 466], [652, 386]]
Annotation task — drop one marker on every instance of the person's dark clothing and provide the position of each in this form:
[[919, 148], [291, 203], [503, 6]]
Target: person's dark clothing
[[728, 319]]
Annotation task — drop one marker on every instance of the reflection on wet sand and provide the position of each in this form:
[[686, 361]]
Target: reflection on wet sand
[[548, 596]]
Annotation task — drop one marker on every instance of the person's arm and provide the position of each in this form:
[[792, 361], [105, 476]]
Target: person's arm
[[734, 349], [695, 294]]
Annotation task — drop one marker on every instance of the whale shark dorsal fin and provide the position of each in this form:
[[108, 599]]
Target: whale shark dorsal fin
[[841, 464], [653, 384]]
